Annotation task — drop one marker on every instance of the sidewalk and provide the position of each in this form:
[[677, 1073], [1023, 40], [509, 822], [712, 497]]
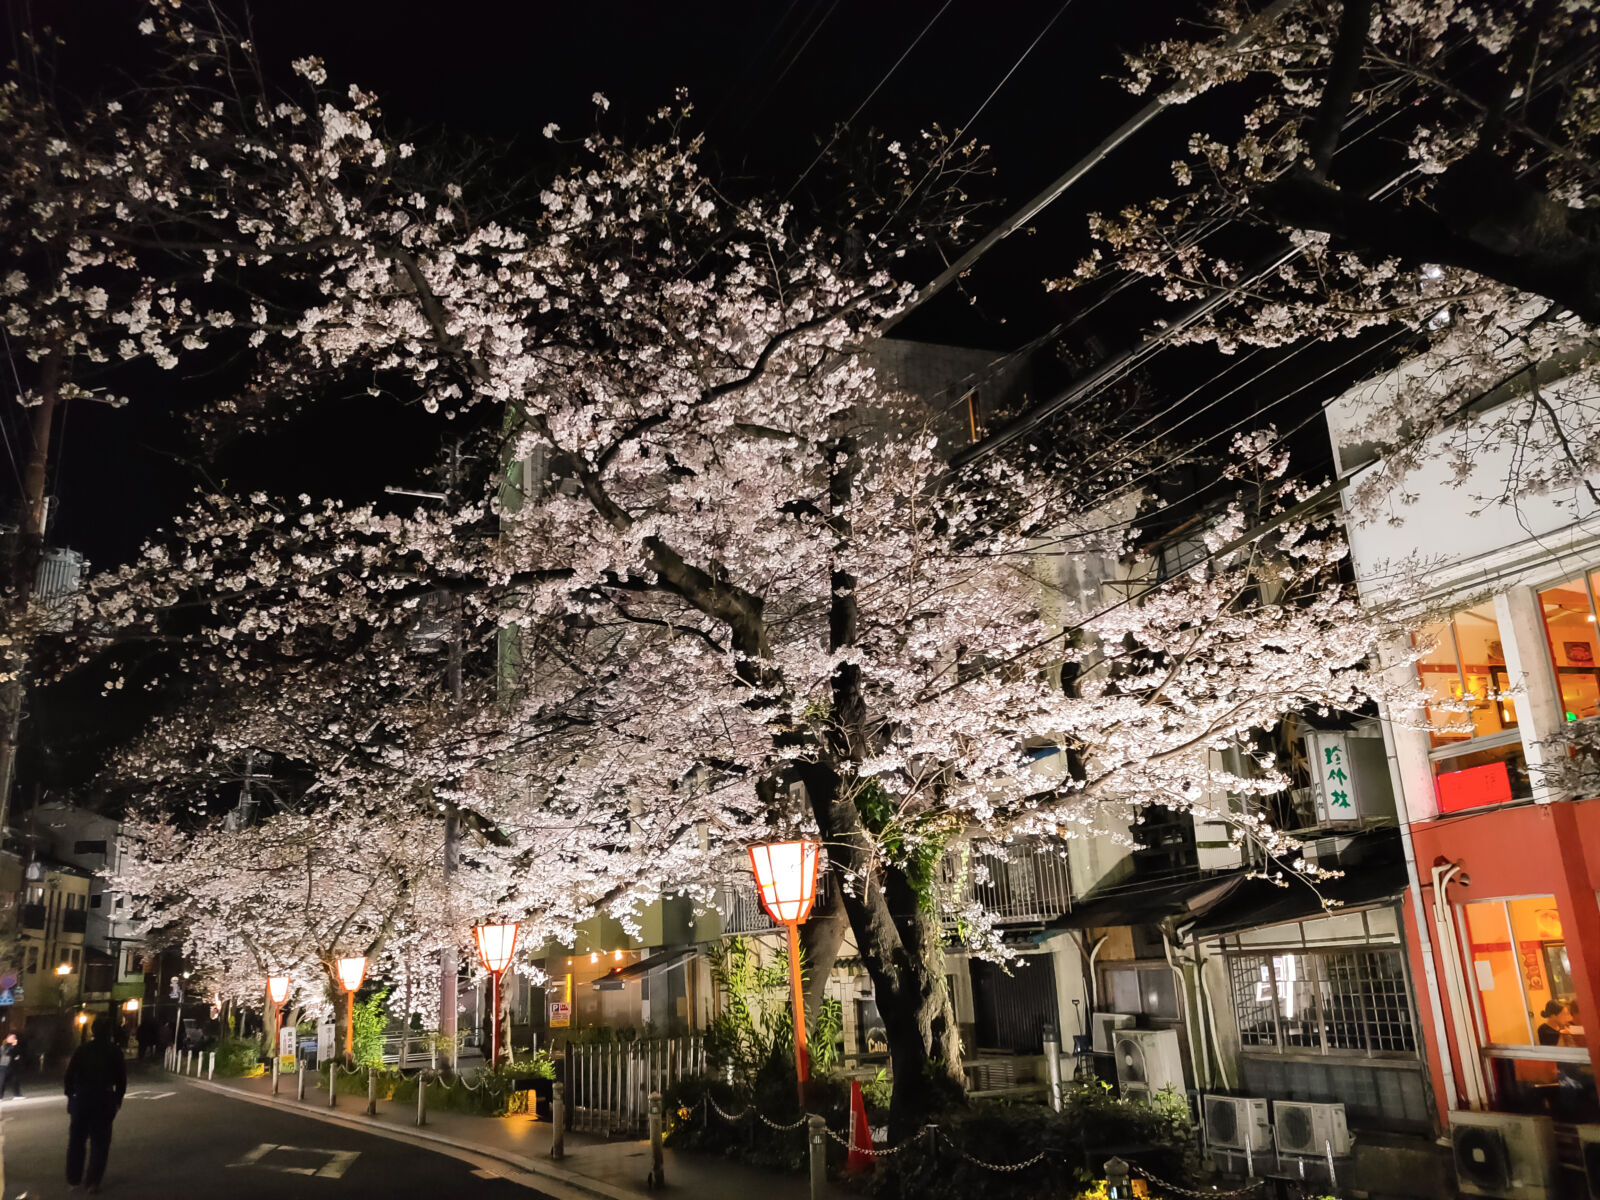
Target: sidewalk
[[593, 1167]]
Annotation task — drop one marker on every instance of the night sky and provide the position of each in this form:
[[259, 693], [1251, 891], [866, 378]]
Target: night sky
[[769, 82]]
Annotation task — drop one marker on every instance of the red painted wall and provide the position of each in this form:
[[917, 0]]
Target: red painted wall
[[1527, 850]]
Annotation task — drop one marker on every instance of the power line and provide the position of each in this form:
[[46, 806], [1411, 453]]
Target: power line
[[1077, 171], [904, 54], [961, 132]]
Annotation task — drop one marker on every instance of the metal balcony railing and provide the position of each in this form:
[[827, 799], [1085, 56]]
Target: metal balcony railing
[[1032, 883]]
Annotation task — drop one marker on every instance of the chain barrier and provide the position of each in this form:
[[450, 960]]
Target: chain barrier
[[988, 1166], [1196, 1193], [874, 1152], [1001, 1168]]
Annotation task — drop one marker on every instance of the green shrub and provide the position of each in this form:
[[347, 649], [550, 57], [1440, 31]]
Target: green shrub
[[1093, 1126], [692, 1123], [370, 1020], [237, 1056]]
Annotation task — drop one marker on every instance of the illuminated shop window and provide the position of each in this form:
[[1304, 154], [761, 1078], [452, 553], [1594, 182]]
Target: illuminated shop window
[[1477, 751], [1569, 622]]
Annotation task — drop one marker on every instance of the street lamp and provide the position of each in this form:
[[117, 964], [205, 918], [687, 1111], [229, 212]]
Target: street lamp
[[277, 993], [786, 874], [131, 1006], [351, 972], [496, 943], [65, 969]]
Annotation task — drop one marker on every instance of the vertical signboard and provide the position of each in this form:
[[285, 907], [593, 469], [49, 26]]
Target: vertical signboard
[[287, 1047], [1337, 796]]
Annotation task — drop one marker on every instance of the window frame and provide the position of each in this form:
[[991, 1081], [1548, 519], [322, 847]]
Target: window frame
[[1477, 742], [1369, 1017], [1529, 1050], [1586, 578]]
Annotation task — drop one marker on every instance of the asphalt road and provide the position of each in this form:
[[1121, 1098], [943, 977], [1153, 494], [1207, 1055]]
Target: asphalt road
[[173, 1141]]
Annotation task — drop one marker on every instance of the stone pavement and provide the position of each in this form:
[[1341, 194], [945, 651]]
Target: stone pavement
[[592, 1168]]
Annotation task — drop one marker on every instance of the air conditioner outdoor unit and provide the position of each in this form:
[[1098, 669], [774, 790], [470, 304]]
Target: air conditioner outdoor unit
[[1147, 1061], [1589, 1154], [1236, 1123], [1504, 1155], [1308, 1129], [1106, 1025]]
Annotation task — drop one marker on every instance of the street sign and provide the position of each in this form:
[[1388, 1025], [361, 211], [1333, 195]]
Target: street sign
[[287, 1040], [560, 1014], [327, 1034]]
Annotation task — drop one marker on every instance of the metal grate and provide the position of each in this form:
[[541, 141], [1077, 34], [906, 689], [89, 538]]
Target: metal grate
[[1331, 1001], [1251, 977]]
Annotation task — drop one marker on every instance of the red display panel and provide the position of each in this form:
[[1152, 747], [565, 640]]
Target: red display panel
[[1476, 787]]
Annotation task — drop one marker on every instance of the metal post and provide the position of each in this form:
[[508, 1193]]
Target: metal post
[[817, 1136], [211, 1065], [372, 1091], [422, 1100], [1117, 1185], [300, 1086], [558, 1119], [494, 1032], [333, 1094], [1052, 1065], [274, 1074], [1333, 1176], [657, 1177]]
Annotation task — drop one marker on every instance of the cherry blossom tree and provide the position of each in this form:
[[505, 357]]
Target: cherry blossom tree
[[1425, 167], [706, 580]]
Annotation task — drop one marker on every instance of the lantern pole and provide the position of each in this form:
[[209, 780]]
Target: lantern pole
[[802, 1053], [786, 877], [494, 1032]]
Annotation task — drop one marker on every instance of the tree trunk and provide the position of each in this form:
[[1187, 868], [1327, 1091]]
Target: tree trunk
[[820, 939], [901, 946]]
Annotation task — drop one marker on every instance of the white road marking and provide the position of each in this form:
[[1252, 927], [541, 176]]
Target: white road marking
[[338, 1160]]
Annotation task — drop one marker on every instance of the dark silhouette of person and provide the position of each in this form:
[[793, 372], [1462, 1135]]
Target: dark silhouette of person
[[96, 1081], [1555, 1020], [11, 1067]]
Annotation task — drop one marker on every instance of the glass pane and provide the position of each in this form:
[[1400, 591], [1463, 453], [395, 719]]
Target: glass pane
[[1495, 973], [1569, 622], [1536, 929], [1297, 999], [1482, 777], [1483, 668], [1442, 682], [1159, 993], [1123, 987], [1562, 1090], [1252, 999]]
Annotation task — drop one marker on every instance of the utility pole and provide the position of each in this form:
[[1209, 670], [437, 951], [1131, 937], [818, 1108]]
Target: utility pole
[[449, 955], [24, 566]]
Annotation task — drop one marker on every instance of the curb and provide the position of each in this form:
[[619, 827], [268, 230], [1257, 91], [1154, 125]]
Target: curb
[[572, 1185]]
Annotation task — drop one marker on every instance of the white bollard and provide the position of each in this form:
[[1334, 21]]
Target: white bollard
[[274, 1074], [211, 1065], [422, 1099], [300, 1093], [333, 1096]]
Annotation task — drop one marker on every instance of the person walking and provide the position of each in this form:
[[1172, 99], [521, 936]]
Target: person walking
[[97, 1079], [11, 1066]]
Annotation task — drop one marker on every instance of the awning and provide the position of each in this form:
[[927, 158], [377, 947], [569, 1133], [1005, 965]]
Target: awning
[[1141, 902], [1261, 902], [663, 961]]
